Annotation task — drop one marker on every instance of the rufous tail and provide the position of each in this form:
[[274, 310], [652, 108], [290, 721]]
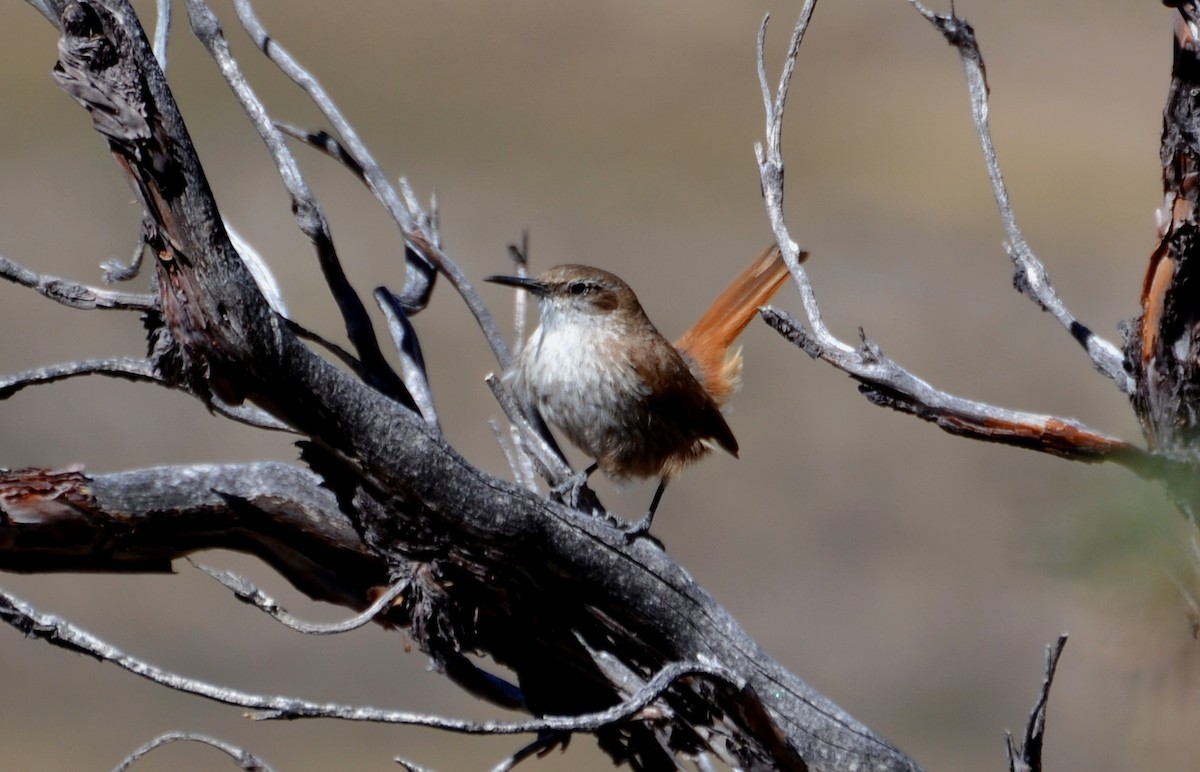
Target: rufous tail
[[708, 342]]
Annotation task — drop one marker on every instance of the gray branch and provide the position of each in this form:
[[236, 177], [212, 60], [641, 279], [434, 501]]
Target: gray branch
[[73, 294], [603, 636], [1031, 278], [413, 220], [1026, 756], [243, 758], [886, 383]]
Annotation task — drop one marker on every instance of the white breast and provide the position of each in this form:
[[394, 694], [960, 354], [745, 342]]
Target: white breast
[[577, 375]]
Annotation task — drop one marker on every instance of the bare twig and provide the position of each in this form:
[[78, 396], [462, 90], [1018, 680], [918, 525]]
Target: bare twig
[[1028, 756], [268, 285], [512, 448], [1031, 278], [539, 747], [412, 362], [348, 359], [307, 210], [409, 766], [423, 241], [114, 270], [520, 261], [546, 456], [162, 32], [403, 208], [550, 463], [131, 369], [247, 592], [885, 382], [58, 632], [128, 368], [243, 758], [48, 8], [75, 295]]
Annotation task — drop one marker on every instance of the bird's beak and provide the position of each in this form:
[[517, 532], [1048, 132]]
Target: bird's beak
[[520, 282]]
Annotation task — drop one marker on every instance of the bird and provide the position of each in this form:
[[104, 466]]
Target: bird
[[597, 368]]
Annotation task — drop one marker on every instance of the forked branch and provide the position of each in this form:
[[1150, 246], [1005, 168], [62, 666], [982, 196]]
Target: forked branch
[[885, 382], [602, 636]]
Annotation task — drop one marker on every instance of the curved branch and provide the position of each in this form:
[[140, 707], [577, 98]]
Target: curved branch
[[136, 370], [414, 222], [128, 368], [494, 569], [1031, 278], [73, 294], [141, 520], [886, 383], [58, 632], [305, 207], [243, 758], [247, 592]]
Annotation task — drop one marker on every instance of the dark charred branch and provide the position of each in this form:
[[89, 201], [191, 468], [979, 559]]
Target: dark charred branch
[[584, 620], [1163, 350], [1026, 755]]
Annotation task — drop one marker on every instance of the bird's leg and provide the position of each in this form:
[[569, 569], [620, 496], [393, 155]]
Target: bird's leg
[[641, 528], [568, 492]]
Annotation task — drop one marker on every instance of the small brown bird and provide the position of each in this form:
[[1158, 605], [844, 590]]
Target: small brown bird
[[598, 369]]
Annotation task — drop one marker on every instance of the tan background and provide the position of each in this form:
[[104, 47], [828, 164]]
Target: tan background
[[912, 576]]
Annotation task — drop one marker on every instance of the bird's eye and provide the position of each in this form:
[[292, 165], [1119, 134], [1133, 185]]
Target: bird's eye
[[577, 288]]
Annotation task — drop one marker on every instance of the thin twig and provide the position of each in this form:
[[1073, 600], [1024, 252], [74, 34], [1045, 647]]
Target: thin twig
[[518, 461], [881, 379], [1031, 278], [247, 592], [342, 355], [73, 294], [412, 362], [886, 383], [1028, 756], [550, 463], [136, 370], [539, 747], [306, 209], [162, 32], [114, 270], [771, 170], [128, 368], [414, 224], [520, 261], [524, 462], [57, 632], [242, 757], [48, 9], [268, 285], [409, 766]]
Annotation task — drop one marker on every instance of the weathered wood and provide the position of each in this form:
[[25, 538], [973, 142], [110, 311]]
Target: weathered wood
[[547, 591], [1163, 349]]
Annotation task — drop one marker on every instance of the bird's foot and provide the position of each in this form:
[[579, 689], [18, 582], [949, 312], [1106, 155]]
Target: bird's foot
[[570, 490], [641, 530]]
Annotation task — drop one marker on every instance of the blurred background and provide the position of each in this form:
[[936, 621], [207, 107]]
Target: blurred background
[[913, 577]]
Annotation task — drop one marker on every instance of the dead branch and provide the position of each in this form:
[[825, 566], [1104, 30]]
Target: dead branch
[[1026, 756], [604, 637], [886, 383], [74, 295], [243, 758]]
